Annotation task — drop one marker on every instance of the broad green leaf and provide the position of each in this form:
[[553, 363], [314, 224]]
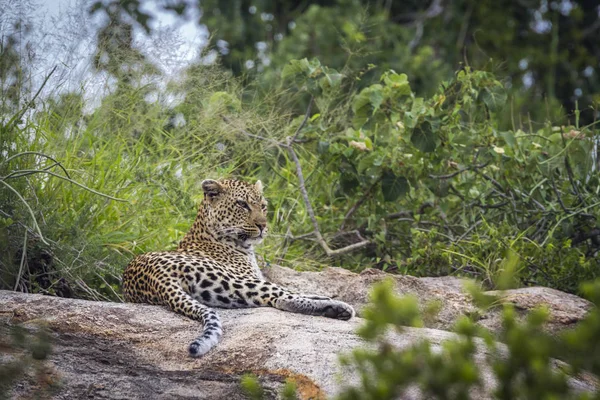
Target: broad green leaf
[[366, 162], [331, 78], [366, 103], [509, 138], [397, 82], [418, 107], [393, 186], [494, 97], [295, 67], [423, 137], [322, 146]]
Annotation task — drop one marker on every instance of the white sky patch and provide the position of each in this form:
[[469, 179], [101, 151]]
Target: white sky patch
[[65, 36]]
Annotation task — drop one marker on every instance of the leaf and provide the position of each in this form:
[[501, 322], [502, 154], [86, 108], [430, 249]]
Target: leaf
[[393, 186], [398, 83], [295, 67], [331, 78], [322, 146], [423, 137], [494, 97], [366, 103], [509, 138], [348, 183]]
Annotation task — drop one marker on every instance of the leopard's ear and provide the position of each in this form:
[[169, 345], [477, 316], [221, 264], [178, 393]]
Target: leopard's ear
[[212, 189], [259, 186]]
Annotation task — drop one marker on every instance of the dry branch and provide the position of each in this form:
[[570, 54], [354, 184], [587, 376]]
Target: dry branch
[[290, 140], [460, 171]]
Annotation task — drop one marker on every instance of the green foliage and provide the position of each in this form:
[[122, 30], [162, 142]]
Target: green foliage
[[439, 173], [523, 365], [547, 52], [252, 387], [311, 75], [289, 391], [385, 307], [23, 356], [463, 192], [582, 344], [59, 235]]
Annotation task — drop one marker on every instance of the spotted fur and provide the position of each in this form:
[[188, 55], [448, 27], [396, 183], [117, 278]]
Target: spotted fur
[[215, 266]]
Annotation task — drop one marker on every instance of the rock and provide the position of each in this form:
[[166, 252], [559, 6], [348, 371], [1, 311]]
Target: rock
[[565, 309], [127, 351], [105, 350]]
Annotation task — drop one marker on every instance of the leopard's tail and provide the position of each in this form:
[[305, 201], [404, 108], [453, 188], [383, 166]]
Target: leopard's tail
[[184, 304], [210, 336]]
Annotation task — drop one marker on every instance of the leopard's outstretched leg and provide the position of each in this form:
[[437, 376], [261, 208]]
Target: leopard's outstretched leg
[[184, 304], [269, 294]]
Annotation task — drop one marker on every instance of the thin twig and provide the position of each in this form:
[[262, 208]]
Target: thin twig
[[252, 135], [302, 185], [456, 192], [35, 224], [37, 153], [19, 173], [400, 214], [475, 225], [562, 205], [311, 212], [493, 181], [303, 236], [568, 168], [110, 287], [306, 115], [487, 206], [69, 180], [534, 201], [94, 294], [460, 171], [356, 205], [29, 104], [23, 257]]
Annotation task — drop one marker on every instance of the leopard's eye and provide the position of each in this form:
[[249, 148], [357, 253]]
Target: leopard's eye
[[263, 207], [243, 204]]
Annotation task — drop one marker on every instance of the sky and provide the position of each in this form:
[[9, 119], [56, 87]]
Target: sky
[[174, 43]]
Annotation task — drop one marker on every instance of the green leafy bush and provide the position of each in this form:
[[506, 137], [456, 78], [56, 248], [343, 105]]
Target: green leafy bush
[[23, 357], [439, 188], [430, 185], [523, 362]]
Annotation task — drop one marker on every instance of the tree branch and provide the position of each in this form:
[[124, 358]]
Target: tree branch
[[356, 205], [306, 115], [311, 212], [302, 185], [245, 132], [460, 171]]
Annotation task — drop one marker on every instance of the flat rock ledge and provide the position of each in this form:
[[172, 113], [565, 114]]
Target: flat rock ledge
[[107, 350], [565, 309]]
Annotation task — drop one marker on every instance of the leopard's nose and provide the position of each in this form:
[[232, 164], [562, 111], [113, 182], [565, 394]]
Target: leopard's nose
[[261, 226]]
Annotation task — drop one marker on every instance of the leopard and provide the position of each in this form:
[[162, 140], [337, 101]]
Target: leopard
[[215, 266]]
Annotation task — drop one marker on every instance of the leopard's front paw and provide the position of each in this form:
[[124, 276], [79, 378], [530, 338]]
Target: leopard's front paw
[[338, 310]]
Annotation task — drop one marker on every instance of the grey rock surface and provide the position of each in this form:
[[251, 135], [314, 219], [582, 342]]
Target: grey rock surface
[[107, 350], [565, 309]]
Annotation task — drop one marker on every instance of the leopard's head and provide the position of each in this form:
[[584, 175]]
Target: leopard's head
[[235, 210]]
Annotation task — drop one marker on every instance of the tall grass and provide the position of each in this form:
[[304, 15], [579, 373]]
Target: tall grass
[[152, 155]]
